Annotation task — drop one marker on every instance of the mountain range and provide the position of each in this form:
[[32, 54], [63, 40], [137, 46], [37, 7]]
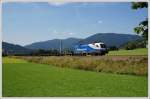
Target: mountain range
[[110, 39], [14, 49], [54, 44]]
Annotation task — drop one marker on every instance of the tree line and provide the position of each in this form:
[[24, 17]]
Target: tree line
[[40, 52]]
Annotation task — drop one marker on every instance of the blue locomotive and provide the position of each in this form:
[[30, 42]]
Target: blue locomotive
[[91, 49]]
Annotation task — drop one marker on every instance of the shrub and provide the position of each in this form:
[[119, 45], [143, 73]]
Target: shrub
[[134, 44]]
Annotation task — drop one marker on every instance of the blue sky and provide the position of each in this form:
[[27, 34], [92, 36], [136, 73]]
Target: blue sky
[[25, 23]]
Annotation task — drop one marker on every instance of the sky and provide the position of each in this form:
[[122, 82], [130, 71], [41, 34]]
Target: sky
[[28, 22]]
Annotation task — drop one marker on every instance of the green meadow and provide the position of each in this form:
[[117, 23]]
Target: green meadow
[[22, 78], [139, 51]]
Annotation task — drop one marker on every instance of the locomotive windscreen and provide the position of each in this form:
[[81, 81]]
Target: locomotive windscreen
[[103, 45]]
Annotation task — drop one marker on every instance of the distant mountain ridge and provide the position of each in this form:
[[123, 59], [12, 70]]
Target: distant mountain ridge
[[54, 44], [110, 39], [14, 49]]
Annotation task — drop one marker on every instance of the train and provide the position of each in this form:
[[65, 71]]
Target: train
[[98, 48]]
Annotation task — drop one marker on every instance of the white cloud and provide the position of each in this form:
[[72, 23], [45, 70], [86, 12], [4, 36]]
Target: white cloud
[[57, 3], [61, 33], [70, 33]]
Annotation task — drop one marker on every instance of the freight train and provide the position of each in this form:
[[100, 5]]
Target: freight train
[[91, 49]]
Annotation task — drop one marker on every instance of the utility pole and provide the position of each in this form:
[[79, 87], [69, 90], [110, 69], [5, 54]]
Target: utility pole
[[60, 47]]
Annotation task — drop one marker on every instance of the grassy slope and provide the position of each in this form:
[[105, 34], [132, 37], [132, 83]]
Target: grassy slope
[[140, 51], [28, 79]]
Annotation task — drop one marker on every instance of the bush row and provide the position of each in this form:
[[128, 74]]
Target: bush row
[[132, 65]]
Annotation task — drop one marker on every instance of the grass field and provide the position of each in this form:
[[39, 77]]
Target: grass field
[[140, 51], [21, 78]]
